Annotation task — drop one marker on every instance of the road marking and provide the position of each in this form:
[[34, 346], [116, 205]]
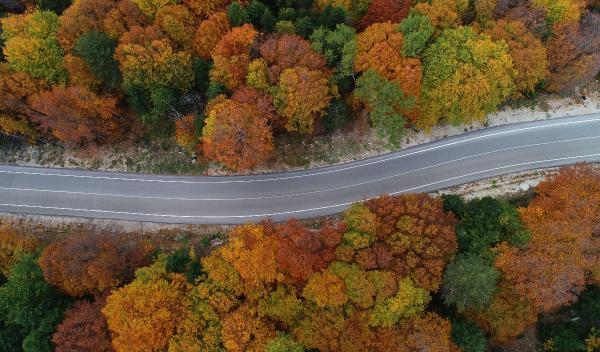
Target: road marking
[[287, 212], [299, 193], [358, 164]]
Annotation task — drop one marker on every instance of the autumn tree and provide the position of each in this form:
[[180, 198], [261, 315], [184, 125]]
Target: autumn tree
[[300, 251], [426, 332], [185, 132], [148, 59], [204, 8], [289, 51], [326, 289], [527, 53], [16, 116], [552, 269], [573, 55], [84, 329], [301, 97], [381, 11], [237, 132], [13, 246], [245, 330], [92, 264], [209, 33], [145, 314], [534, 19], [31, 45], [386, 104], [443, 14], [154, 73], [409, 302], [466, 76], [419, 236], [252, 254], [258, 75], [507, 316], [175, 21], [81, 17], [560, 11], [79, 72], [32, 305], [122, 18], [151, 7], [76, 115], [384, 40], [231, 56]]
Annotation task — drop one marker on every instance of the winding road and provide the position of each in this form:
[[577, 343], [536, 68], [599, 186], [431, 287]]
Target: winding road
[[303, 194]]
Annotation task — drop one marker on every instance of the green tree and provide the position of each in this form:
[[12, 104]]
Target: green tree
[[409, 301], [468, 336], [385, 102], [98, 49], [28, 302], [284, 343], [31, 45], [237, 15], [417, 30], [339, 48], [469, 283], [466, 76], [486, 222]]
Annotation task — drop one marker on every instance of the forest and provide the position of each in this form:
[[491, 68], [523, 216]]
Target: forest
[[404, 273], [226, 80]]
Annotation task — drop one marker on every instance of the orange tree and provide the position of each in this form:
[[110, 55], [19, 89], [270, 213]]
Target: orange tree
[[527, 53], [231, 56], [92, 264], [384, 40], [237, 131], [563, 218]]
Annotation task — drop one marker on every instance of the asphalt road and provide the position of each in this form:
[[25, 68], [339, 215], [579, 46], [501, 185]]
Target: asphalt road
[[303, 194]]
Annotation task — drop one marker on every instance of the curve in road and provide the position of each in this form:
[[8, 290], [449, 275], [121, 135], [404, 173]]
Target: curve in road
[[303, 194]]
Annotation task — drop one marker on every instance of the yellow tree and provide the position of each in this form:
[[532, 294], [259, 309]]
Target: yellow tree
[[144, 315], [466, 76], [301, 96], [176, 21], [13, 246]]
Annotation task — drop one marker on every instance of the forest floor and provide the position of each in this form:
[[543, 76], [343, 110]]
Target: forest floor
[[356, 141]]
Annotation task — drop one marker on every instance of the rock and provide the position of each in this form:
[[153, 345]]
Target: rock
[[524, 186]]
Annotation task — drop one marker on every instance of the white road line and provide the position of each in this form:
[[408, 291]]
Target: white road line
[[286, 212], [299, 193], [343, 168]]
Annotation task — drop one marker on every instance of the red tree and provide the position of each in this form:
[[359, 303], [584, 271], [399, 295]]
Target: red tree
[[385, 11], [84, 329]]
